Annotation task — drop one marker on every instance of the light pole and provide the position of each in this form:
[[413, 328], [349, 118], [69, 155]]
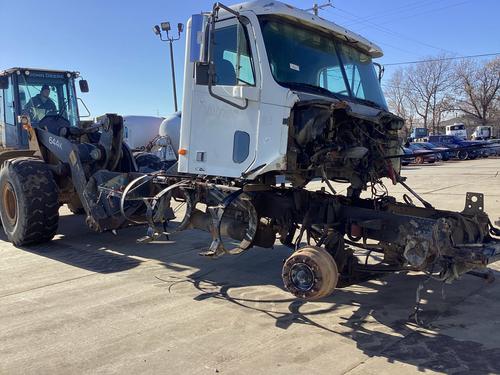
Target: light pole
[[316, 8], [165, 26]]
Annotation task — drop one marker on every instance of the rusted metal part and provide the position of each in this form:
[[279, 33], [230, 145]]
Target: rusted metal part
[[241, 202], [310, 273], [418, 238], [442, 243]]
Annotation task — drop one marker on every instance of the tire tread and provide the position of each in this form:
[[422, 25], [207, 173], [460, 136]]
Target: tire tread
[[37, 200]]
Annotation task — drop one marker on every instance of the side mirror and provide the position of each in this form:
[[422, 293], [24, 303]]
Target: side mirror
[[4, 82], [198, 38], [202, 75], [84, 85]]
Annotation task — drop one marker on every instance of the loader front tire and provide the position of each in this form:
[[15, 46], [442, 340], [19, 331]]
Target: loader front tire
[[29, 206]]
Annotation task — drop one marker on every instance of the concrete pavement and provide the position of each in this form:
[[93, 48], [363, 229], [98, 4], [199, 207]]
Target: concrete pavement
[[101, 304]]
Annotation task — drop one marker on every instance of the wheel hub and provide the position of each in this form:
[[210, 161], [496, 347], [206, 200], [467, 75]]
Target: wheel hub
[[302, 277], [9, 202], [310, 273]]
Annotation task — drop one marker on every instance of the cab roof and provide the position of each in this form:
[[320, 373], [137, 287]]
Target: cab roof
[[13, 70], [270, 7]]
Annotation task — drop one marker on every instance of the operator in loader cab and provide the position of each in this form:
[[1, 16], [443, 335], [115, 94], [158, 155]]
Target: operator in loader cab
[[40, 105]]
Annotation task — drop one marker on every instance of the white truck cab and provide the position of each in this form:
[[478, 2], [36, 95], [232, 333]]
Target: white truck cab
[[458, 130], [247, 68], [482, 132]]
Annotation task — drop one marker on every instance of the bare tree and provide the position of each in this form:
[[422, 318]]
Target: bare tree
[[478, 89], [397, 93], [428, 87]]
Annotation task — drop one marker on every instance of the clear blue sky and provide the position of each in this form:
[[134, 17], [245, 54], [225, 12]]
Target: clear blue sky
[[112, 44]]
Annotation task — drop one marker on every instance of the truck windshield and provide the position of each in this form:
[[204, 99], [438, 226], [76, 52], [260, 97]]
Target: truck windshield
[[307, 57], [44, 94]]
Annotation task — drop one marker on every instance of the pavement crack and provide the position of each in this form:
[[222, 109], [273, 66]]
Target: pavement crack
[[48, 285], [443, 188]]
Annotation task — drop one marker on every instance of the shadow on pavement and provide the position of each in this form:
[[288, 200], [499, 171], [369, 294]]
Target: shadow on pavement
[[374, 315]]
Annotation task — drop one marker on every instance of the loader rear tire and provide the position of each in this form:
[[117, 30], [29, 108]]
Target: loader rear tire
[[29, 206]]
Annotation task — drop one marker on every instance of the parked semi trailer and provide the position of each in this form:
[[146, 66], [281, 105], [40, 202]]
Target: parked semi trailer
[[275, 97]]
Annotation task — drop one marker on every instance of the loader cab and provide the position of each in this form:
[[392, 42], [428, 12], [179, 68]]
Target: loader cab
[[21, 93]]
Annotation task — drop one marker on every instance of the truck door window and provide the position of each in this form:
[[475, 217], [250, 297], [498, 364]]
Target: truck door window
[[232, 57]]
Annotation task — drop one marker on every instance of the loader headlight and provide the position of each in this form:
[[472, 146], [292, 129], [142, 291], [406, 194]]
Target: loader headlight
[[23, 120], [96, 154]]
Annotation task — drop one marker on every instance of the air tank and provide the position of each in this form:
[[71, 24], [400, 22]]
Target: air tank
[[171, 128], [140, 130]]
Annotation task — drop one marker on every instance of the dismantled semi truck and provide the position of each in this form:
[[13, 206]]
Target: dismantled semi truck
[[274, 98]]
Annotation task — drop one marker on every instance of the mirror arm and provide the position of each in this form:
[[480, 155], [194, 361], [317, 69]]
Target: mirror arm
[[218, 6], [381, 70], [211, 66]]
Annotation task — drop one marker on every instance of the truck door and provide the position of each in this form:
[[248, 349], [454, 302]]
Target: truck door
[[222, 140]]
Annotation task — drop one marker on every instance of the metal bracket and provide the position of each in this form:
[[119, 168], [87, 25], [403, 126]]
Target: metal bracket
[[474, 203]]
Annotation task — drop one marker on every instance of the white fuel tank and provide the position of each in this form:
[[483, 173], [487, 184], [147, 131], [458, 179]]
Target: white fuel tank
[[140, 130], [171, 128]]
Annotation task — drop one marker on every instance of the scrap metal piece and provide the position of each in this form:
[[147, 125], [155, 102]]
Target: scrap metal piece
[[420, 243], [416, 252]]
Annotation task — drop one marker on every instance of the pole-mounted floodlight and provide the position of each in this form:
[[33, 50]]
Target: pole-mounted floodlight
[[165, 26]]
